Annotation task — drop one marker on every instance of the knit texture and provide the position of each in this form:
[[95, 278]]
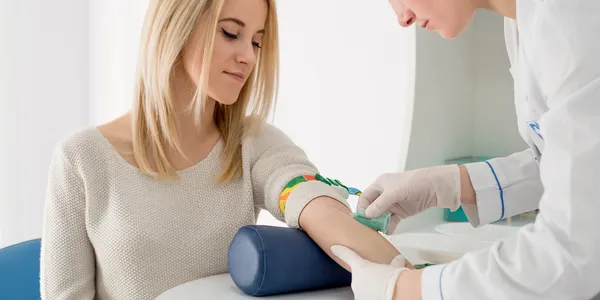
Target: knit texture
[[112, 232]]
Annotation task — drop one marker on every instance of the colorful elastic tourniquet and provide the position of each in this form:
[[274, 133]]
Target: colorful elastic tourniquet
[[380, 223], [294, 183]]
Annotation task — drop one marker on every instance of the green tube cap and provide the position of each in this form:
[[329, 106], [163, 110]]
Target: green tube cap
[[380, 223]]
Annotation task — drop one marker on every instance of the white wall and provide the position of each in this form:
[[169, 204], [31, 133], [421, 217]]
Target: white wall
[[43, 97], [464, 103], [495, 129], [442, 125], [345, 86], [115, 28]]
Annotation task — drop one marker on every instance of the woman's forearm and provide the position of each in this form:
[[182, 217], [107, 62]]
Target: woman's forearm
[[328, 222]]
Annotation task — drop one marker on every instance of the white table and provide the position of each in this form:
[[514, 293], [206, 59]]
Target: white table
[[222, 287]]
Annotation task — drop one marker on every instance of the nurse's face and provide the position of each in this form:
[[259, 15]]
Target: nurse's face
[[448, 17]]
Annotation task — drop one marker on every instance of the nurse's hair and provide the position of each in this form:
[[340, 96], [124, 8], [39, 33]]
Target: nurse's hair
[[167, 27]]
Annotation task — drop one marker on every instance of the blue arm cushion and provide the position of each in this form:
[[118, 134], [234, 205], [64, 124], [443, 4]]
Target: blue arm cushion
[[268, 260]]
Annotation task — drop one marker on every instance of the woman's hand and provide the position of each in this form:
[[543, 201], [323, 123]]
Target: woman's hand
[[371, 281]]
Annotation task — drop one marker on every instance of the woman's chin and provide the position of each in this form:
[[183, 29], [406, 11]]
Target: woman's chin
[[452, 32], [228, 99], [448, 36]]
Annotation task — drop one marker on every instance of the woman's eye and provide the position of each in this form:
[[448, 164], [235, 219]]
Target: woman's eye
[[229, 35], [235, 37]]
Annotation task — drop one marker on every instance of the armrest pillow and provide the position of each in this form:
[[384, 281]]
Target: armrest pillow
[[268, 260]]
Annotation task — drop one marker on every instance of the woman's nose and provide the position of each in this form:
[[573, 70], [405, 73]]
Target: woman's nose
[[247, 55]]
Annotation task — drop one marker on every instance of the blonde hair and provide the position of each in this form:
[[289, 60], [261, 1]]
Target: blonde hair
[[168, 27]]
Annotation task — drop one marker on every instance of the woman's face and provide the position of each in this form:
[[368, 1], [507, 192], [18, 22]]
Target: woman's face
[[448, 17], [237, 42]]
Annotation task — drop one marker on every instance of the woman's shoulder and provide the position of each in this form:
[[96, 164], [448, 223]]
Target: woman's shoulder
[[266, 138], [78, 144], [88, 145], [261, 134]]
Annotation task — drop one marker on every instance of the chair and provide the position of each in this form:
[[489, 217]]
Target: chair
[[20, 271]]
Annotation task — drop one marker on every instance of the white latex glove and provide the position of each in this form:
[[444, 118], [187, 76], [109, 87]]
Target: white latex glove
[[408, 193], [371, 281]]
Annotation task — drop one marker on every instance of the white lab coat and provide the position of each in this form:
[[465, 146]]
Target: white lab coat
[[555, 58]]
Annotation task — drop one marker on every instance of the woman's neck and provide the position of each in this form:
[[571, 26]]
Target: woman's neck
[[184, 92], [196, 137], [507, 8]]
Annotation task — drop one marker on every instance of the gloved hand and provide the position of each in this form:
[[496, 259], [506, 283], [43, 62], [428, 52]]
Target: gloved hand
[[371, 281], [408, 193]]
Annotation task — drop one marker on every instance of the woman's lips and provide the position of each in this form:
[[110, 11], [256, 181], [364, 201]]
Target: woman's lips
[[237, 76]]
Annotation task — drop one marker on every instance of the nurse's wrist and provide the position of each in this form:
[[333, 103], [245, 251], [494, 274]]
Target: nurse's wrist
[[408, 285], [467, 192]]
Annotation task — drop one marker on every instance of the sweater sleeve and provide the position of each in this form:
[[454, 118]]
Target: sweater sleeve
[[67, 269], [277, 162]]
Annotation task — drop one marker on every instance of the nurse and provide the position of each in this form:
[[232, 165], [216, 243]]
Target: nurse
[[554, 49]]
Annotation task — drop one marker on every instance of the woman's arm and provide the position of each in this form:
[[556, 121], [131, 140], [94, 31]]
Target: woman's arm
[[329, 222], [314, 206], [67, 269]]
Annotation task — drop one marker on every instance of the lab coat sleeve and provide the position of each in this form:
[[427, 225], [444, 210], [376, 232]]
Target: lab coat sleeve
[[504, 187], [557, 256], [278, 160]]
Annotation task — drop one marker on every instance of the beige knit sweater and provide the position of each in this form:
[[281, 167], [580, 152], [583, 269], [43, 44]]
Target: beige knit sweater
[[111, 232]]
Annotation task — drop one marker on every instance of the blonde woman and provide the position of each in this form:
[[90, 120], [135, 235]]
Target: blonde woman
[[152, 199]]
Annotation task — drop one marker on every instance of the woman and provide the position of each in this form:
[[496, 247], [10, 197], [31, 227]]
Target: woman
[[553, 46], [152, 199]]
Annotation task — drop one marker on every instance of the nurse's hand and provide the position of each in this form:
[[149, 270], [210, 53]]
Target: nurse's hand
[[371, 281], [408, 193]]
